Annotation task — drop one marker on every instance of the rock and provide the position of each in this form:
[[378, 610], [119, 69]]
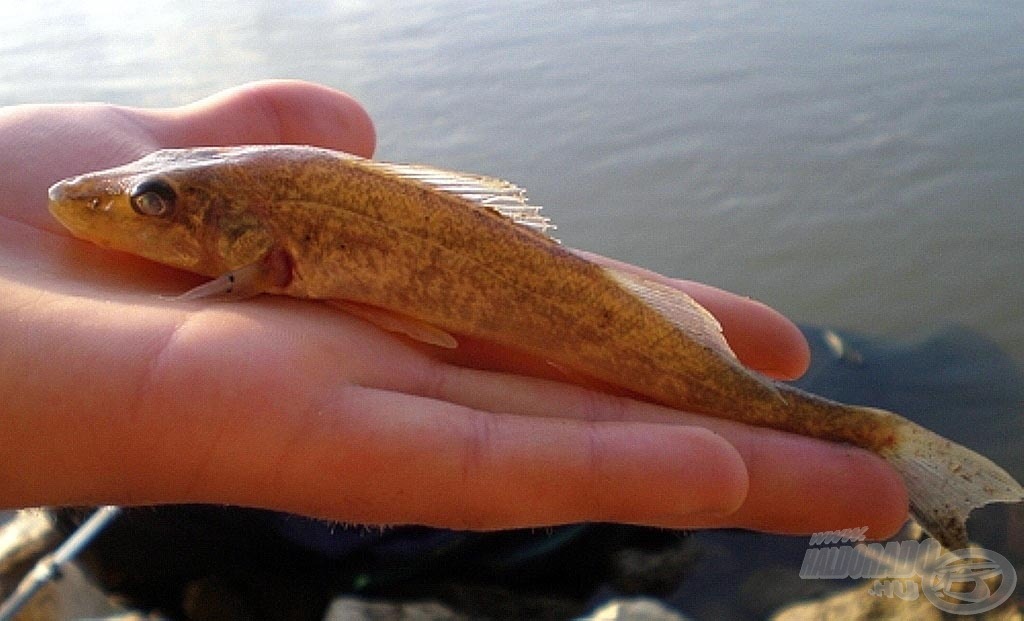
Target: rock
[[358, 609], [27, 536], [73, 596], [766, 589], [25, 539], [636, 609], [858, 604], [639, 571]]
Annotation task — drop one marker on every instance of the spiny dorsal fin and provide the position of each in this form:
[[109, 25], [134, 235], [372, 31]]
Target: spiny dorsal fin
[[502, 196]]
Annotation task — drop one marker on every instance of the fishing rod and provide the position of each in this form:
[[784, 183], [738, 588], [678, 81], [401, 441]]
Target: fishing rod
[[51, 567]]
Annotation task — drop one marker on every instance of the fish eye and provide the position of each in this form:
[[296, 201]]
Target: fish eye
[[153, 197]]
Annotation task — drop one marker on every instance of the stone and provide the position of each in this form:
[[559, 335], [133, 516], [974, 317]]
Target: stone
[[349, 608], [635, 609]]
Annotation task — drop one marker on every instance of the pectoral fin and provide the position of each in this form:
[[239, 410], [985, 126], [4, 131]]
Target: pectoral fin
[[396, 322], [234, 285], [273, 271]]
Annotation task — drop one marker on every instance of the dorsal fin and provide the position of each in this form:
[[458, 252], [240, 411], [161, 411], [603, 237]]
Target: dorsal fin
[[502, 196], [679, 308], [688, 316]]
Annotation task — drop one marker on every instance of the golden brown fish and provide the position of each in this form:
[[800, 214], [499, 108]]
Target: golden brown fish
[[432, 253]]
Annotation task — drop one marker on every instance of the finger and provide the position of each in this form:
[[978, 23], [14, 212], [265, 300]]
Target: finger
[[800, 486], [762, 338], [797, 484], [41, 144], [133, 414], [267, 112], [377, 457], [156, 426]]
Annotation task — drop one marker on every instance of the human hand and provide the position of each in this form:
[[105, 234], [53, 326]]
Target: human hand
[[113, 394]]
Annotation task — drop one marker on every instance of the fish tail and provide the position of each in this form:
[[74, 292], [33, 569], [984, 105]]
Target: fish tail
[[946, 481]]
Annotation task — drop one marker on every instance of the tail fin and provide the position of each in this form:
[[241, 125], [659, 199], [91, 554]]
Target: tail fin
[[946, 482]]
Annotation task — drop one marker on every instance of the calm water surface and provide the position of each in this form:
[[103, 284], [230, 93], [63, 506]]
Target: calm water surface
[[857, 164]]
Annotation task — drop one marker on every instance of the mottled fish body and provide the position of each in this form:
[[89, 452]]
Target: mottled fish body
[[434, 253]]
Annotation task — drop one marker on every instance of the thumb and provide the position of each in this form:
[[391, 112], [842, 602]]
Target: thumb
[[267, 112], [41, 144]]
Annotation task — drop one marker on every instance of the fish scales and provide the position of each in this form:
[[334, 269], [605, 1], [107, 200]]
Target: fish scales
[[472, 279], [431, 253]]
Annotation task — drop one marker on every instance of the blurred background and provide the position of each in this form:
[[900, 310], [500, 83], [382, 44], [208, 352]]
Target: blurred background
[[856, 165]]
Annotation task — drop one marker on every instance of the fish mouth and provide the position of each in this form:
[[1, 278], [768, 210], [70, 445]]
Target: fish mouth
[[57, 191], [77, 192], [69, 189]]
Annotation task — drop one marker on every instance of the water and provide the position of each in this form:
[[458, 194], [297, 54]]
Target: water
[[856, 164]]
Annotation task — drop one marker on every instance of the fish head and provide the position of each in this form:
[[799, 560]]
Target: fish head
[[185, 208]]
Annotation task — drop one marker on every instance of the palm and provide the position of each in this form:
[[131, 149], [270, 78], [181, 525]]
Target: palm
[[120, 395]]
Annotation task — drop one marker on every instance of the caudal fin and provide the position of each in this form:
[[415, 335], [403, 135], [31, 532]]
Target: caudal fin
[[946, 482]]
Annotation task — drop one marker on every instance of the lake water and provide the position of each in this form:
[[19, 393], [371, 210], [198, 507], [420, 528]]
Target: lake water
[[853, 164]]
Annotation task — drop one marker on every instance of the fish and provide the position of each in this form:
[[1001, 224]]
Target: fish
[[437, 255]]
